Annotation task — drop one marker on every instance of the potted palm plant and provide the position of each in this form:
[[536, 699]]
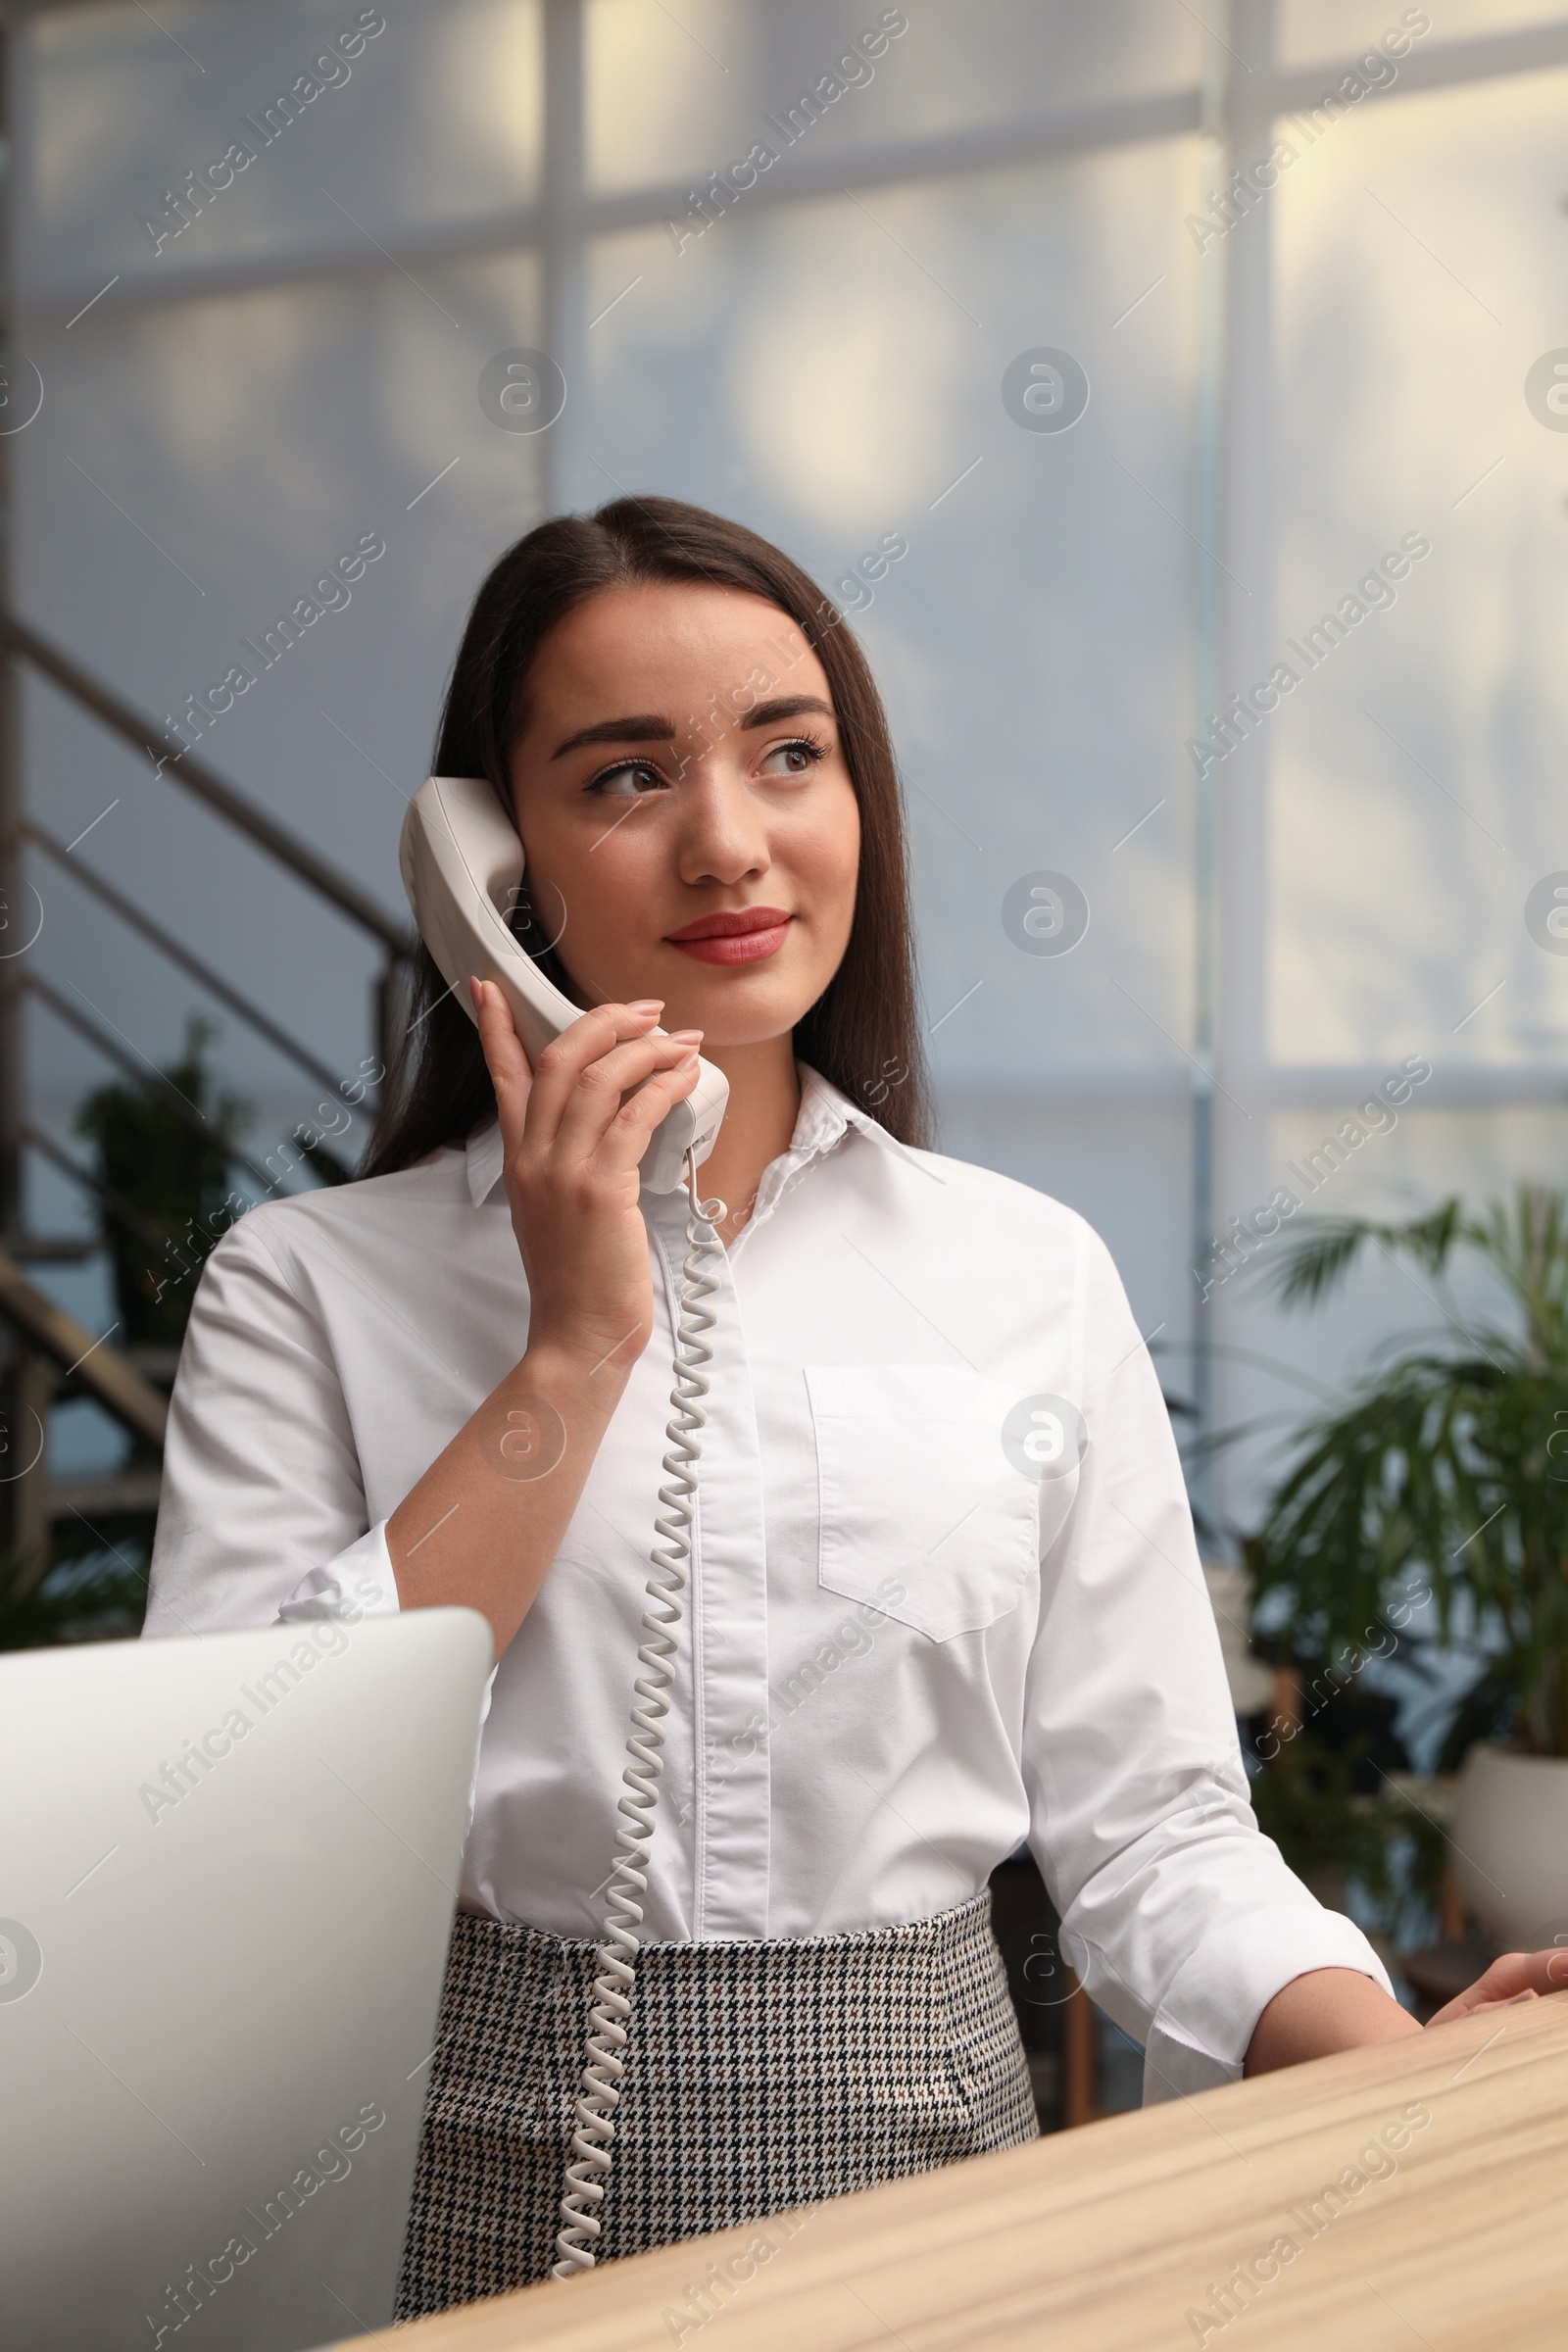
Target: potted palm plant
[[1446, 1467]]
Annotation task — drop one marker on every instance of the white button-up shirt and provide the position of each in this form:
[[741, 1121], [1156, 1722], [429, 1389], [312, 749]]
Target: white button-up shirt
[[945, 1593]]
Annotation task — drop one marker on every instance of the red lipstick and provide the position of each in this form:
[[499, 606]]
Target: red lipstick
[[747, 935]]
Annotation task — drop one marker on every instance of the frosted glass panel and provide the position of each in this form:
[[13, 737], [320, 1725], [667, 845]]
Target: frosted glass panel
[[1421, 281], [676, 94], [833, 372], [1321, 30], [324, 131]]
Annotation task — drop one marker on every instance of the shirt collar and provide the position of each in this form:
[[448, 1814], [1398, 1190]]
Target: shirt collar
[[825, 1117], [484, 1157]]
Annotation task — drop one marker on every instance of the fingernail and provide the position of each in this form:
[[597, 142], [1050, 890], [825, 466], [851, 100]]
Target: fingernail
[[646, 1004], [687, 1036]]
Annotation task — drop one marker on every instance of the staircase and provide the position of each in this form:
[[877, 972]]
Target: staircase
[[47, 1357]]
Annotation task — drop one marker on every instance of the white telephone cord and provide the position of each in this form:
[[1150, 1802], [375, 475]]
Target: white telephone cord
[[598, 2084]]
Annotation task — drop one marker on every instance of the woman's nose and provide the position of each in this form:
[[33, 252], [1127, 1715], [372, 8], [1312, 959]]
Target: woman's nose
[[723, 836]]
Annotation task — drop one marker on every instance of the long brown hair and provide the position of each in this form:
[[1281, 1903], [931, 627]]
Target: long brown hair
[[862, 1032]]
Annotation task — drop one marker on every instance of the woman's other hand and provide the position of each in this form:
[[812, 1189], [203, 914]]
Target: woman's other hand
[[573, 1132], [1516, 1977], [1331, 2009]]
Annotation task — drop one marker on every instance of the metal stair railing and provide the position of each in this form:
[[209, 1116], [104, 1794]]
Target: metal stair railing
[[50, 1347], [57, 1351], [143, 1075], [171, 950], [106, 1371], [120, 1208], [205, 784]]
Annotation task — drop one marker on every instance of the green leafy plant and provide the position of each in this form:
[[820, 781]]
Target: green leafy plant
[[171, 1175], [93, 1599], [1447, 1465]]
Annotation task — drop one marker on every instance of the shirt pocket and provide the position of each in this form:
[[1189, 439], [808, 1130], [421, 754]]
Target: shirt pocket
[[920, 1513]]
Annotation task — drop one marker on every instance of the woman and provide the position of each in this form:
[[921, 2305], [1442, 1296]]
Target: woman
[[945, 1593]]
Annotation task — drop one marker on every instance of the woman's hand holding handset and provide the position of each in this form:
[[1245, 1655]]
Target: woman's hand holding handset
[[485, 1521], [573, 1134]]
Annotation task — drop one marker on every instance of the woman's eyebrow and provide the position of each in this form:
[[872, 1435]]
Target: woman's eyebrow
[[648, 728], [653, 728], [787, 705]]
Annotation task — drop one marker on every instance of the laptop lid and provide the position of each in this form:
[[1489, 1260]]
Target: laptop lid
[[227, 1876]]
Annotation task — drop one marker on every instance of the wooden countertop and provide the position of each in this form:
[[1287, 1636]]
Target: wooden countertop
[[1111, 2239]]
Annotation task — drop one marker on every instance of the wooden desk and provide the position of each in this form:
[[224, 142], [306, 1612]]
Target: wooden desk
[[1109, 2239]]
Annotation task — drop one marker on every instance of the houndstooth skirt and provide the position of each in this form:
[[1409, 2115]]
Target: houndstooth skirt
[[760, 2076]]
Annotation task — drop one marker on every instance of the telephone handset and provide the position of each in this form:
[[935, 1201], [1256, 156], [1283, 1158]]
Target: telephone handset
[[463, 863]]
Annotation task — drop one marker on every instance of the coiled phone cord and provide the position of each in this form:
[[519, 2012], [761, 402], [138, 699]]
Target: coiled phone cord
[[599, 2086]]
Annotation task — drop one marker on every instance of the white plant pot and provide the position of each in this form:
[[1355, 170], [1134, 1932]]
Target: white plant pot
[[1508, 1845]]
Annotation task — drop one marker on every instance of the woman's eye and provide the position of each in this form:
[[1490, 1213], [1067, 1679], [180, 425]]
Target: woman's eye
[[627, 782], [792, 758]]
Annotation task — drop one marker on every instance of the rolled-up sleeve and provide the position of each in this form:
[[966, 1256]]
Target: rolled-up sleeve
[[1179, 1915], [262, 1512]]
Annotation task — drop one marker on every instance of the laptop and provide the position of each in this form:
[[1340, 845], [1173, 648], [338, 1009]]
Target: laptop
[[227, 1876]]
